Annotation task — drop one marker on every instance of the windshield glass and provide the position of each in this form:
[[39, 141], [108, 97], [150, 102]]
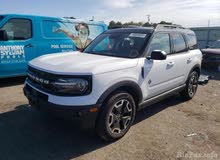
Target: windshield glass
[[215, 44], [119, 44]]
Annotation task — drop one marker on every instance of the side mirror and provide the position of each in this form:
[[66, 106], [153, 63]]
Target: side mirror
[[158, 55], [3, 35]]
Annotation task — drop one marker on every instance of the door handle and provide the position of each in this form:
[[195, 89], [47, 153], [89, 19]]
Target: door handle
[[170, 63], [189, 60], [29, 45]]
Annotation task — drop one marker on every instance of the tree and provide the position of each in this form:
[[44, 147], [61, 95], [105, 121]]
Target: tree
[[164, 22], [111, 24]]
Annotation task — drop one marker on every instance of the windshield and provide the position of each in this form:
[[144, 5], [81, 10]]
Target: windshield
[[119, 44], [215, 44]]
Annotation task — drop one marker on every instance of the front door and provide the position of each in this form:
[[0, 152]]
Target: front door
[[160, 75], [18, 49]]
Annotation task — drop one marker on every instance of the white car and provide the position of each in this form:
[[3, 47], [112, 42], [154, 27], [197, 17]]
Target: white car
[[120, 72]]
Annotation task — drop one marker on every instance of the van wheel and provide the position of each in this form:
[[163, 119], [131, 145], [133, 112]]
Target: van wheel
[[191, 86], [116, 116]]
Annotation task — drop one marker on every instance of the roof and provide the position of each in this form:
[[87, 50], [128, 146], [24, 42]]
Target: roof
[[158, 28], [55, 18], [173, 28]]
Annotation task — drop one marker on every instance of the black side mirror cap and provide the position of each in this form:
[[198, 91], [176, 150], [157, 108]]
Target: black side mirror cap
[[3, 35], [158, 55]]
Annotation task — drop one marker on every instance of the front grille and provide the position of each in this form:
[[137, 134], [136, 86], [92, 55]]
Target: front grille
[[41, 80], [44, 81]]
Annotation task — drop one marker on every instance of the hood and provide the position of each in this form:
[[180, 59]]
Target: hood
[[211, 51], [71, 63]]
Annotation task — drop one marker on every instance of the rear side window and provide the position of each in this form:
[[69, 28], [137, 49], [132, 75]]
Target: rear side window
[[179, 43], [160, 41], [66, 30], [81, 34], [18, 29], [191, 40]]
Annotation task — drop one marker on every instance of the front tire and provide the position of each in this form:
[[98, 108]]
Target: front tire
[[191, 86], [116, 116]]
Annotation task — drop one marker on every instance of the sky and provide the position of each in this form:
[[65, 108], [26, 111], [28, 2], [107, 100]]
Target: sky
[[188, 13]]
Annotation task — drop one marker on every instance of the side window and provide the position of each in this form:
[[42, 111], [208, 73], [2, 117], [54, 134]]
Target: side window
[[161, 41], [191, 40], [18, 29], [179, 43]]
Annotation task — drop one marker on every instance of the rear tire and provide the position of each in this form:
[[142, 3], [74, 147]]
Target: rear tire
[[116, 116], [191, 86]]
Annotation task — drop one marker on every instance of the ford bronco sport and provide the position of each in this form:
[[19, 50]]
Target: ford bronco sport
[[120, 72]]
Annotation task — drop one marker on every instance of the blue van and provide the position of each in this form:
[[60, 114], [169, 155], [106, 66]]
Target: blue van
[[24, 37]]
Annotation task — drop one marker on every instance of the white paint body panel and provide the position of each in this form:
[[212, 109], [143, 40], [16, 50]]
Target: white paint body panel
[[107, 71]]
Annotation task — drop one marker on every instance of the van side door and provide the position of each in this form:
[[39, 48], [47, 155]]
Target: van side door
[[19, 48]]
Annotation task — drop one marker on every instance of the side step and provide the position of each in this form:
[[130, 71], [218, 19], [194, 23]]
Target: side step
[[160, 97]]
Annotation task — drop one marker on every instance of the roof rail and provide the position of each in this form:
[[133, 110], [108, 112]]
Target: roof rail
[[129, 26], [168, 26]]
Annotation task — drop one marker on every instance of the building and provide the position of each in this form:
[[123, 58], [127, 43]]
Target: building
[[206, 36]]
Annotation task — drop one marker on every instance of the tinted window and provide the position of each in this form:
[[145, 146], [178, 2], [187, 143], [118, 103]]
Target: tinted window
[[191, 40], [125, 44], [179, 43], [18, 29], [161, 41]]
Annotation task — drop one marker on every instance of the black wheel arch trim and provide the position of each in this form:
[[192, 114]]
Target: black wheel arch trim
[[120, 85], [197, 66]]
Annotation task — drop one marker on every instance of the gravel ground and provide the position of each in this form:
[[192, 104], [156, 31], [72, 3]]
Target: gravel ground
[[171, 129]]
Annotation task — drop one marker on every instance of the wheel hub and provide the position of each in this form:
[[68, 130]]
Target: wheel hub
[[120, 116]]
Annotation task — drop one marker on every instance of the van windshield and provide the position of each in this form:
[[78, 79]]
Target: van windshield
[[119, 44]]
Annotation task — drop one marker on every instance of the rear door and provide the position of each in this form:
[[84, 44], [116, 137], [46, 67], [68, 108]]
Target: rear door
[[183, 57], [19, 49]]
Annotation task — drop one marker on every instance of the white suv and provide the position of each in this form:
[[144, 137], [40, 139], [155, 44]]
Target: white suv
[[120, 72]]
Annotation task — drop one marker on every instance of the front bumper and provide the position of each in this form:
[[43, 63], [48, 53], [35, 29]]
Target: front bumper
[[38, 100]]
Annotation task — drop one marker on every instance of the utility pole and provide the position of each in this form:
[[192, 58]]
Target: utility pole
[[92, 18], [209, 23], [148, 18]]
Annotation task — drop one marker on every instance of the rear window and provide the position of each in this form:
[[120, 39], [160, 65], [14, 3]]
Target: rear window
[[179, 43], [191, 40]]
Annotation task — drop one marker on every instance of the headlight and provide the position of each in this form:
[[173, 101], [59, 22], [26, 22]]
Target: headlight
[[75, 86]]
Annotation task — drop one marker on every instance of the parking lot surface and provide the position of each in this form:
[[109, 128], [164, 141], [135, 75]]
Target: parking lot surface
[[171, 129]]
